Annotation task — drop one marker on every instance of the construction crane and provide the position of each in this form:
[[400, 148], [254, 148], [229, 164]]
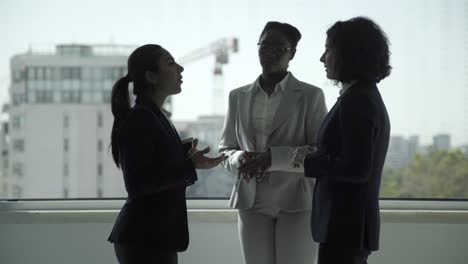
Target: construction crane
[[221, 49]]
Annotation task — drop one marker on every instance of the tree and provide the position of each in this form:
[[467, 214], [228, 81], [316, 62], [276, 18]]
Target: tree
[[437, 174]]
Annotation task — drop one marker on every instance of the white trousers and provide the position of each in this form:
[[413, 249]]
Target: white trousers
[[275, 237]]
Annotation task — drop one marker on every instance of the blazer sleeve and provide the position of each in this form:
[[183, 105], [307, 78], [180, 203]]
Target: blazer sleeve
[[281, 156], [147, 169], [357, 130], [229, 144]]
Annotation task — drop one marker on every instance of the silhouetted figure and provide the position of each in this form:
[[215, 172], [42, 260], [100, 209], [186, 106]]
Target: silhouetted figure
[[152, 225], [352, 145], [265, 122]]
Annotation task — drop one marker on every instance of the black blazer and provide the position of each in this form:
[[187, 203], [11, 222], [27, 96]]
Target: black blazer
[[352, 145], [156, 171]]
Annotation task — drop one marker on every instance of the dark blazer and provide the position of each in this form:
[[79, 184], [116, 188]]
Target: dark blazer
[[156, 171], [352, 145]]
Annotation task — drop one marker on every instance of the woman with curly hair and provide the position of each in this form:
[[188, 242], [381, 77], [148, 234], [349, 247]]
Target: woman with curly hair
[[352, 144]]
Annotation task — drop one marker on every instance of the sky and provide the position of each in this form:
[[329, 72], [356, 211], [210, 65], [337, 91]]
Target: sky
[[426, 94]]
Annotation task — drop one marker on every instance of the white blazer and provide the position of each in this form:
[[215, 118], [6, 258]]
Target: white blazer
[[296, 123]]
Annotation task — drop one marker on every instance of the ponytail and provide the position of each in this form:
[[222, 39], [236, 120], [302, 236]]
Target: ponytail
[[120, 106], [142, 59]]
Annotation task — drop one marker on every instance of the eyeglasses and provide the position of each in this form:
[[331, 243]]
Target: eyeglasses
[[272, 48]]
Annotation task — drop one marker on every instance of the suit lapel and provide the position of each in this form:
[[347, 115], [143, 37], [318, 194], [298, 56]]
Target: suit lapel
[[245, 106], [335, 108], [326, 121], [159, 115], [166, 123], [287, 107]]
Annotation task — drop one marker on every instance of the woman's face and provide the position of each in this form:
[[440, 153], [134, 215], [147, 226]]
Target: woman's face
[[328, 61], [274, 52], [168, 79]]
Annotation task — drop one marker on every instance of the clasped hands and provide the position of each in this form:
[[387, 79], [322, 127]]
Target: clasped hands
[[254, 165], [299, 155], [200, 161]]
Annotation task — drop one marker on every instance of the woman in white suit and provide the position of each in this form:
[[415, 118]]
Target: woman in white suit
[[265, 121]]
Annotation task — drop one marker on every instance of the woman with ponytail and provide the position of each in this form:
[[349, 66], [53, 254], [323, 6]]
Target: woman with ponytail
[[152, 225]]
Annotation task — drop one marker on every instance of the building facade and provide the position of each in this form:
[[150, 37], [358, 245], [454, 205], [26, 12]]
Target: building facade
[[59, 121]]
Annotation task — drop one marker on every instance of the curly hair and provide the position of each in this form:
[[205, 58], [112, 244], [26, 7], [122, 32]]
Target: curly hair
[[360, 50]]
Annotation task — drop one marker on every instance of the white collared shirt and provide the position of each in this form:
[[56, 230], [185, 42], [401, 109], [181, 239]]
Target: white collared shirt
[[264, 110]]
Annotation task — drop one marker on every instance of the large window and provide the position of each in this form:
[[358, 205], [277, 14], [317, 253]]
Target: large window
[[426, 94]]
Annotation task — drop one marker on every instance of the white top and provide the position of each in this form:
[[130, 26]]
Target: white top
[[295, 123], [264, 110]]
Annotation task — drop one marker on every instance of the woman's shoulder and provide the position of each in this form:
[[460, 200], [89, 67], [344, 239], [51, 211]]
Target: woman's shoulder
[[140, 116], [141, 111], [307, 87], [236, 93], [311, 90], [241, 89]]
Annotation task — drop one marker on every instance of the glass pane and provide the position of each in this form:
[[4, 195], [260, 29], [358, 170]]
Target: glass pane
[[426, 95]]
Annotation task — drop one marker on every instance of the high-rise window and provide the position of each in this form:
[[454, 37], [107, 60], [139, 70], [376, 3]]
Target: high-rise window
[[106, 97], [16, 122], [99, 145], [100, 120], [99, 169], [18, 145], [70, 73], [66, 121], [66, 145], [17, 169], [66, 170], [43, 96], [18, 76], [59, 96]]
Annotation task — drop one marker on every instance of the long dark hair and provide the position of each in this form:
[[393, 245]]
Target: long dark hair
[[143, 59], [360, 49]]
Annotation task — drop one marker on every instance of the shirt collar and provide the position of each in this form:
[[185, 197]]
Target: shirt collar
[[281, 86], [166, 113], [153, 106], [346, 85]]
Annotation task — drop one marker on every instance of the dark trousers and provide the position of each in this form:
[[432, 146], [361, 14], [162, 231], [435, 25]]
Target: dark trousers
[[137, 254], [334, 255]]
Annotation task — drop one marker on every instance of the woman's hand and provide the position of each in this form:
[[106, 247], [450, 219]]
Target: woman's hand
[[299, 155], [200, 161], [254, 164]]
